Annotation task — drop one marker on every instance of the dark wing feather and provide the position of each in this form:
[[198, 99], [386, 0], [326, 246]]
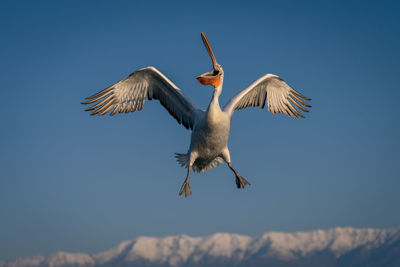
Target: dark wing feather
[[280, 97], [129, 95]]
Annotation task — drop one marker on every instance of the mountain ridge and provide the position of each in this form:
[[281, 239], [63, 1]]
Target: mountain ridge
[[340, 246]]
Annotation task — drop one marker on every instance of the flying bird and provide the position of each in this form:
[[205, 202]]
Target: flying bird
[[210, 128]]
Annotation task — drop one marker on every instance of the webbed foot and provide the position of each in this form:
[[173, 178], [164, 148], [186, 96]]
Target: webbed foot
[[185, 189], [241, 182]]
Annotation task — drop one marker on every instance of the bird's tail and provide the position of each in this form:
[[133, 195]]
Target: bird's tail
[[198, 165], [183, 159]]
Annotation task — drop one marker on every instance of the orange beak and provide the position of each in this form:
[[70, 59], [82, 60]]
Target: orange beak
[[209, 78]]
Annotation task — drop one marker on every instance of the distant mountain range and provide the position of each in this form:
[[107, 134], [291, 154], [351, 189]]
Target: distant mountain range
[[335, 247]]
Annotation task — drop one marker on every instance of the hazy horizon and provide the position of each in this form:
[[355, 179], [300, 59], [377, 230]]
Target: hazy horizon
[[334, 247]]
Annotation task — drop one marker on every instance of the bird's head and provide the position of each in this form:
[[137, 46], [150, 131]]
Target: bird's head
[[216, 76]]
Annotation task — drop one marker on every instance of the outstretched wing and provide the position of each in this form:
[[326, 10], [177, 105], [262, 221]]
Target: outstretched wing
[[129, 95], [281, 97]]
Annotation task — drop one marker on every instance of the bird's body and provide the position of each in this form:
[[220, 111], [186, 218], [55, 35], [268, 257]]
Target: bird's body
[[209, 137], [211, 127]]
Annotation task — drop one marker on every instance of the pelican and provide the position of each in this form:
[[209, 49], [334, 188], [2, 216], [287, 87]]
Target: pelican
[[210, 128]]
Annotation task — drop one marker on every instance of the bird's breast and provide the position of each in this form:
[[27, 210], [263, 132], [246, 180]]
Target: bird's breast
[[210, 136], [214, 114]]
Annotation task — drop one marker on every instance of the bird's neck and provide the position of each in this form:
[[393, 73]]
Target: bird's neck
[[215, 97], [214, 107]]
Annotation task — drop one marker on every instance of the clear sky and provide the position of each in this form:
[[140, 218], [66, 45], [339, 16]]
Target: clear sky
[[74, 182]]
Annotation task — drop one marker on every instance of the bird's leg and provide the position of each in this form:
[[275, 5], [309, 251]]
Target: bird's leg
[[186, 187], [240, 181]]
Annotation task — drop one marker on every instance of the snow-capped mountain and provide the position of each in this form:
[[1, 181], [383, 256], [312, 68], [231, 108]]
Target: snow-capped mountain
[[335, 247]]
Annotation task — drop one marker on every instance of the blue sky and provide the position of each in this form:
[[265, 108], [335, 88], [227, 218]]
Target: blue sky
[[73, 182]]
